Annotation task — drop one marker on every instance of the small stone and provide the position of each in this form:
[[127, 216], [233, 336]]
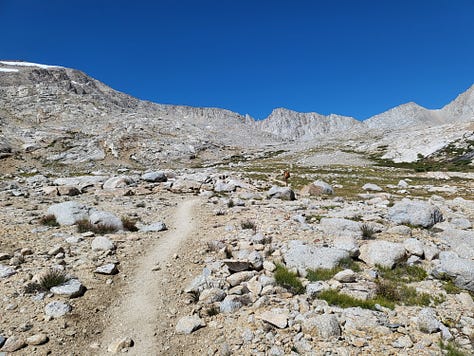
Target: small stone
[[276, 318], [120, 344], [187, 324], [269, 266], [403, 342], [414, 247], [372, 187], [38, 339], [239, 277], [108, 269], [13, 344], [6, 271], [2, 340], [102, 243], [55, 250], [57, 309], [427, 321], [345, 276], [4, 256], [155, 227], [72, 289]]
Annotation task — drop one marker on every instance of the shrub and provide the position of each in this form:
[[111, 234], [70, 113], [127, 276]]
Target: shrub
[[288, 280], [247, 224], [212, 311], [450, 287], [100, 229], [129, 224], [367, 232], [51, 278], [230, 203], [49, 220]]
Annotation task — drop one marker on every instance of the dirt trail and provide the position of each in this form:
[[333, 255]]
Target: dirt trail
[[138, 314]]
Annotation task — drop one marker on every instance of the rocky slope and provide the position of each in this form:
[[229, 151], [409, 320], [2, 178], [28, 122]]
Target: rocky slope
[[64, 116]]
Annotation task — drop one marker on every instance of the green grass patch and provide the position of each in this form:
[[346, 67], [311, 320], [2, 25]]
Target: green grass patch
[[451, 349], [333, 297], [404, 273], [450, 287], [288, 280], [324, 274]]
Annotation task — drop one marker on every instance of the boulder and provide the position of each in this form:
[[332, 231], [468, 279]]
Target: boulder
[[211, 295], [102, 243], [6, 271], [154, 177], [230, 304], [303, 256], [414, 247], [325, 326], [69, 213], [276, 317], [118, 182], [106, 218], [347, 243], [71, 289], [345, 276], [317, 188], [415, 212], [372, 187], [187, 324], [107, 269], [384, 253], [57, 309], [221, 186], [340, 227], [427, 321], [460, 270], [283, 193], [460, 241], [154, 227]]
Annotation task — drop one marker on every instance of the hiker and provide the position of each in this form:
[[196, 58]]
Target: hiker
[[286, 176]]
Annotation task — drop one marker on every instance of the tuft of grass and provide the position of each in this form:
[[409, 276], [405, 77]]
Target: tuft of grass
[[403, 273], [248, 225], [324, 274], [334, 297], [367, 231], [212, 311], [49, 220], [100, 229], [230, 203], [450, 287], [451, 349], [51, 278], [129, 224], [288, 280]]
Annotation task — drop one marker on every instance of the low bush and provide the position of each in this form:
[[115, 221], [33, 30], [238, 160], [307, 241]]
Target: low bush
[[49, 220], [100, 229], [248, 225], [451, 349], [129, 224]]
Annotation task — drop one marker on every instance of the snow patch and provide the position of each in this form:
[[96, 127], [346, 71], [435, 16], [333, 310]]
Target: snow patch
[[8, 70], [28, 64]]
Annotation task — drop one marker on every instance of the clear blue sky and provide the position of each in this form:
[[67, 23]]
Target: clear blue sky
[[355, 58]]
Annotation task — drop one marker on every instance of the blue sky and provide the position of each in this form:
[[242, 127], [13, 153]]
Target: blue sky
[[349, 57]]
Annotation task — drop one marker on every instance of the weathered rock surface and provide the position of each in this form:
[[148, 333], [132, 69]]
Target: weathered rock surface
[[69, 213], [57, 309], [71, 289], [188, 324], [415, 212], [461, 270], [384, 253], [283, 193]]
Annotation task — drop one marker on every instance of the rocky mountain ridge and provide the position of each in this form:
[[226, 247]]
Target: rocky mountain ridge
[[68, 117]]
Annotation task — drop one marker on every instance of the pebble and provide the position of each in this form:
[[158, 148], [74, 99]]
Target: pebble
[[120, 344], [13, 344], [57, 309]]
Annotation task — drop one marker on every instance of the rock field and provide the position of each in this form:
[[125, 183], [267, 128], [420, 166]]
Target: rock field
[[221, 292]]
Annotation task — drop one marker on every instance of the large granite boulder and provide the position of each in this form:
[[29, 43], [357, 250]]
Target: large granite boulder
[[383, 253], [69, 213], [415, 212]]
